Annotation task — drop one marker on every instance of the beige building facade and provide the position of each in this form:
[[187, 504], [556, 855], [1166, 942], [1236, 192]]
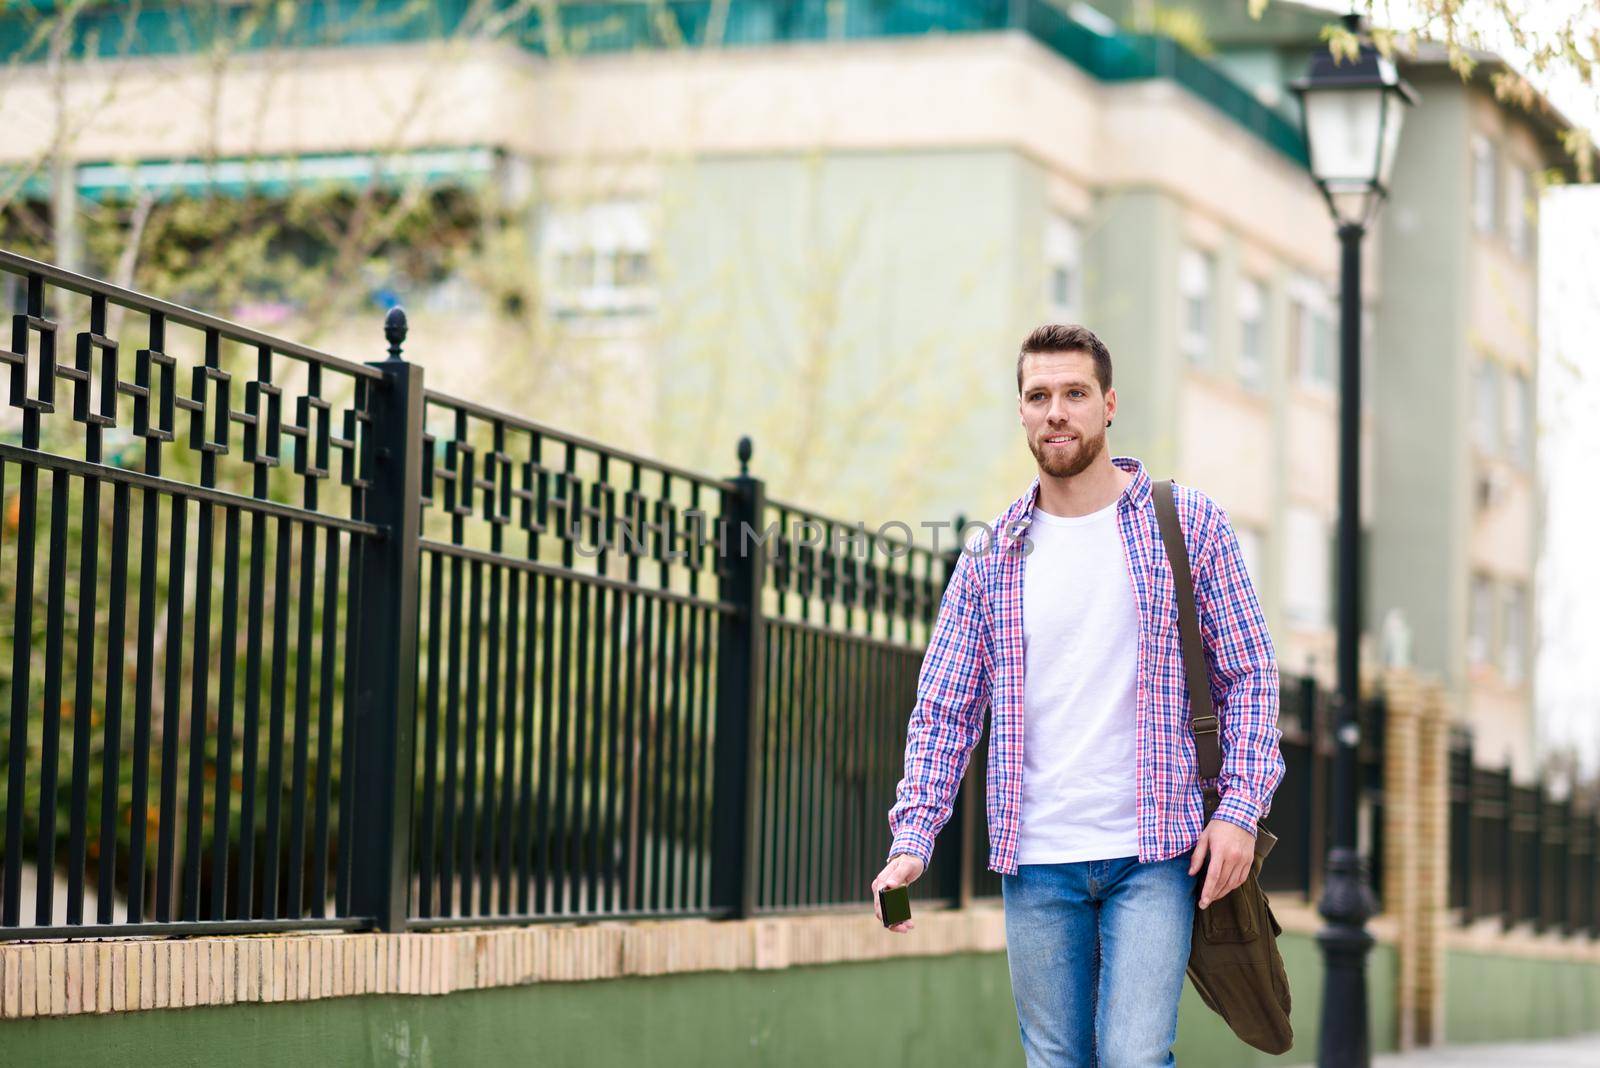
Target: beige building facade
[[835, 246]]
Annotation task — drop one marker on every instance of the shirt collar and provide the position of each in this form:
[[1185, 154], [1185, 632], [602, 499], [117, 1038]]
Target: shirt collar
[[1133, 496]]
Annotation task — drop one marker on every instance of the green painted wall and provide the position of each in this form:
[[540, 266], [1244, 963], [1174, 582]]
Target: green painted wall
[[858, 314], [1131, 275], [1495, 998], [1422, 365], [925, 1013]]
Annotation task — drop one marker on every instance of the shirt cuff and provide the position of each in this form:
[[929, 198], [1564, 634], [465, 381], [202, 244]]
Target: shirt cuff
[[912, 843], [1238, 810]]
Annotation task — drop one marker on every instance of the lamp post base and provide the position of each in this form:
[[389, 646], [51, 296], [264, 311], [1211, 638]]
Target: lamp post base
[[1347, 903]]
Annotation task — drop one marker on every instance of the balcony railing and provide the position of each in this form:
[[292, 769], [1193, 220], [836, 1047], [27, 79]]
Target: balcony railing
[[604, 26]]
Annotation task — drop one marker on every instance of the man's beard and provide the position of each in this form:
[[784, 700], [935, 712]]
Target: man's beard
[[1088, 450]]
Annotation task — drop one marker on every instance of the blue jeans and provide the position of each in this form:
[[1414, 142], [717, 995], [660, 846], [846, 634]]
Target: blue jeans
[[1097, 953]]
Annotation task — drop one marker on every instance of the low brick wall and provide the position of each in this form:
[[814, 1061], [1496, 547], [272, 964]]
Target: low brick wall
[[61, 979], [124, 975], [1489, 937]]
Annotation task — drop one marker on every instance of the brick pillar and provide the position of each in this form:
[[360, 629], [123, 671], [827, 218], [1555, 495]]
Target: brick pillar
[[1416, 825], [1433, 861], [1404, 703]]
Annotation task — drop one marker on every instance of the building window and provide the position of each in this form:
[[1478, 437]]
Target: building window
[[1252, 334], [1063, 252], [1250, 548], [1311, 334], [1513, 635], [598, 260], [1485, 194], [1519, 438], [1197, 274], [1518, 210], [1480, 620], [1308, 567], [1486, 408]]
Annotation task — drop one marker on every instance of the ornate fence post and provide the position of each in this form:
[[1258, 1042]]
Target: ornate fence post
[[1541, 830], [1511, 870], [1464, 838], [1570, 839], [1317, 765], [1592, 899], [386, 570], [736, 761]]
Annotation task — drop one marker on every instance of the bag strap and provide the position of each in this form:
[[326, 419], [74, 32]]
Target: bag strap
[[1203, 723]]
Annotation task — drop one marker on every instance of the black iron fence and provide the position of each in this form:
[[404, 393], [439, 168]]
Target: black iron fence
[[1519, 854], [573, 616], [339, 651], [645, 691], [296, 642], [182, 637]]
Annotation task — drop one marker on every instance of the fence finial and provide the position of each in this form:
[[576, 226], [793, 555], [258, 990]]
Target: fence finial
[[394, 330], [746, 448]]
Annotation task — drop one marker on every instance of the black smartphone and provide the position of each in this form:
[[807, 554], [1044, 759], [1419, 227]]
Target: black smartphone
[[895, 904]]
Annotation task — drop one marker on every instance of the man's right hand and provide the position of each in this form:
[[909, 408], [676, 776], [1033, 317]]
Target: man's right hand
[[902, 870]]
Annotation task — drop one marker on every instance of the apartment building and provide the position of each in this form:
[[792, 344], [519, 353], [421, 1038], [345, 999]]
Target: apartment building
[[1454, 342], [829, 226]]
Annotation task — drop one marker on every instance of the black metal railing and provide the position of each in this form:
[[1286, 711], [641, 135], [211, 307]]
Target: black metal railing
[[182, 635], [570, 629], [349, 652], [848, 612], [597, 708], [1300, 808], [1518, 854], [476, 670]]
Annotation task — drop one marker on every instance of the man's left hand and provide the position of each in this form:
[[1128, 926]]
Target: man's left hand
[[1231, 850]]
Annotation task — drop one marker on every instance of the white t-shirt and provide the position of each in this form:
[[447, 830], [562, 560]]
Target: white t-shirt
[[1080, 628]]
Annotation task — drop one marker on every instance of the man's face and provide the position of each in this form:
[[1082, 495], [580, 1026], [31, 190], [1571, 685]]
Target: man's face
[[1063, 411]]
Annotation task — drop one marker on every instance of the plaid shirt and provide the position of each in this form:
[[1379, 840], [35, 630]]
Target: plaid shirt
[[975, 660]]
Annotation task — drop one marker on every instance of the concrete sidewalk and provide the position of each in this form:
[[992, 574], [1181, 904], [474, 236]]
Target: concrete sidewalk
[[1548, 1053]]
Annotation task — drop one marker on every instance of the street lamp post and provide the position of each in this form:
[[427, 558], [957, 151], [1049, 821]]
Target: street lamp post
[[1352, 109]]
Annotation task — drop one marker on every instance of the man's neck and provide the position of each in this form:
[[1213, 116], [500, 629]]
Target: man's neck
[[1088, 491]]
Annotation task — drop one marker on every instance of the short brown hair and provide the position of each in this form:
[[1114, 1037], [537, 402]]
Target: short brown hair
[[1068, 337]]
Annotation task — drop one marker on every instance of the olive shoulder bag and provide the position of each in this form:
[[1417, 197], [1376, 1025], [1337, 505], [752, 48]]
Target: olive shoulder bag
[[1234, 961]]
